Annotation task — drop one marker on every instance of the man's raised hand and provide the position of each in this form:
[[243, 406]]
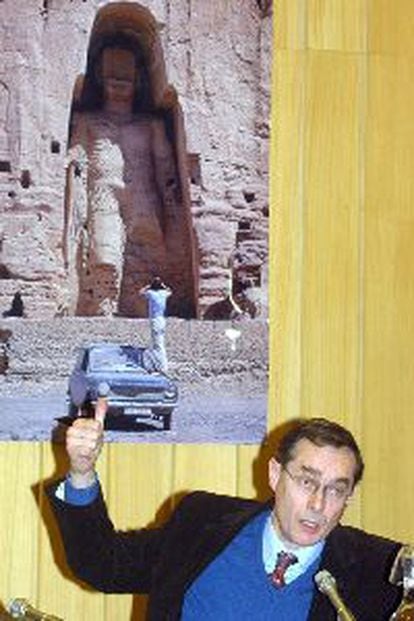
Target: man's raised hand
[[84, 440]]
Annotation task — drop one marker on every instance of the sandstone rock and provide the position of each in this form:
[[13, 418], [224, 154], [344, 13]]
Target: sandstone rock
[[210, 71]]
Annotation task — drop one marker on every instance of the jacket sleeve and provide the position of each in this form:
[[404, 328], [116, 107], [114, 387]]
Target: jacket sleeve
[[108, 560], [360, 563]]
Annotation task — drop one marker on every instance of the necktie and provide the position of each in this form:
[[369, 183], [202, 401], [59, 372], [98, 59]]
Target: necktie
[[283, 561]]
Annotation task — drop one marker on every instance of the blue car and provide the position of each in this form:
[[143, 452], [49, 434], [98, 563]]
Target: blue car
[[129, 379]]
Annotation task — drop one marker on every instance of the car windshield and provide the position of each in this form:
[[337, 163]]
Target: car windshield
[[122, 358]]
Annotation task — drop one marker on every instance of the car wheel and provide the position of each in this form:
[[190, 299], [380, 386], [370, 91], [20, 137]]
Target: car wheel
[[163, 414], [166, 420]]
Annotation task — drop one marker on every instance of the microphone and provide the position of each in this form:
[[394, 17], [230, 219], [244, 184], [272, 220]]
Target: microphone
[[19, 608], [326, 584]]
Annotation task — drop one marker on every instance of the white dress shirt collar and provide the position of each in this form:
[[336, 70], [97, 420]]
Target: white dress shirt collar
[[273, 544]]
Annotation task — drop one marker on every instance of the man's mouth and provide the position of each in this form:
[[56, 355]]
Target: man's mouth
[[312, 525]]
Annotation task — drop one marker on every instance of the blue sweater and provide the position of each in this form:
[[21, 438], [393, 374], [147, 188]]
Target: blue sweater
[[235, 585]]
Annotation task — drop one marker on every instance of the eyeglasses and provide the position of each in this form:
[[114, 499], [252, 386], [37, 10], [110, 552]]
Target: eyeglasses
[[334, 492]]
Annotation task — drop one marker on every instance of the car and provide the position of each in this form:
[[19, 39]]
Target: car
[[128, 377]]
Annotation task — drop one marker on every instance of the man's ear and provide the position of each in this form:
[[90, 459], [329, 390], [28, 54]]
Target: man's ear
[[274, 470]]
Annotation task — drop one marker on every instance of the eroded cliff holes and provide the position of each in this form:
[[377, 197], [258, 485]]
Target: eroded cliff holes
[[194, 168], [55, 147], [249, 197], [25, 179], [247, 282], [244, 230]]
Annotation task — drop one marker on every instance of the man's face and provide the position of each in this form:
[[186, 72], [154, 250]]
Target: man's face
[[311, 491]]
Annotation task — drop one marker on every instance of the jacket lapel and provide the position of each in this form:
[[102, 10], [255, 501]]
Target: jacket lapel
[[341, 561]]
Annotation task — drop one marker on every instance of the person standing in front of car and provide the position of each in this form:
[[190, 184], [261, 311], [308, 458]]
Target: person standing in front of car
[[157, 294]]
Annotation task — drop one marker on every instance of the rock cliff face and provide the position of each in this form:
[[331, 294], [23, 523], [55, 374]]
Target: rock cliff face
[[208, 66]]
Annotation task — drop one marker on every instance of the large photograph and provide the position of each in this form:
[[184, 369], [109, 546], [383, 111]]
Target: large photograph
[[134, 207]]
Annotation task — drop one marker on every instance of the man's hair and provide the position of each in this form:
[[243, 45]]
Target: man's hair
[[320, 432], [157, 283]]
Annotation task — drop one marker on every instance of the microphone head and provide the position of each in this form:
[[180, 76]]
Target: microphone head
[[17, 607], [402, 569], [325, 581]]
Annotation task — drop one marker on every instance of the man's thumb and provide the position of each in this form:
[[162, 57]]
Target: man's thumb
[[101, 409]]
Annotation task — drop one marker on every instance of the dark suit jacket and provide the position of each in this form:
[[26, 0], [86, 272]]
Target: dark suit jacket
[[164, 562]]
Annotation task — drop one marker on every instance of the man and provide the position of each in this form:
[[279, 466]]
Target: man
[[157, 294], [215, 558]]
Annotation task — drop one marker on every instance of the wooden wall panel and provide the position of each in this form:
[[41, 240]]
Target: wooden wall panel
[[342, 293], [132, 470], [19, 532], [320, 24], [332, 223], [331, 256], [247, 484], [336, 25], [286, 225], [389, 294], [208, 467], [390, 27], [317, 193], [289, 24]]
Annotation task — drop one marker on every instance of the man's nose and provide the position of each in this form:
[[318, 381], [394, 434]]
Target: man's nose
[[316, 500]]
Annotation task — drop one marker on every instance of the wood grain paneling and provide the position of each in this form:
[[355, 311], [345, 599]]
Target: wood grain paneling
[[389, 292], [336, 25], [390, 27], [342, 295], [331, 249], [286, 225], [19, 532]]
